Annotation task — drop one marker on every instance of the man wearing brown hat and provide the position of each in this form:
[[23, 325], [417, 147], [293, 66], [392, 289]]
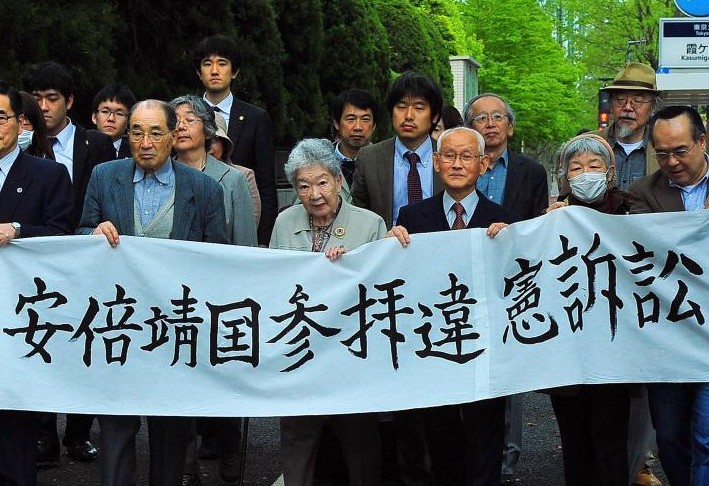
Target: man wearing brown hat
[[634, 98]]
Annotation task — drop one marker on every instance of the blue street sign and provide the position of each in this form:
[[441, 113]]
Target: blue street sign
[[693, 8]]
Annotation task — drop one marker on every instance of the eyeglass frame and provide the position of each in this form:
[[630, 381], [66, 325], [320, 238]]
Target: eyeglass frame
[[154, 137], [6, 118], [679, 154], [116, 114], [495, 116], [635, 101], [188, 122], [447, 160]]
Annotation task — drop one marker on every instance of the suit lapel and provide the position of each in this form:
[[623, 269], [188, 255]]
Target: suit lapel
[[237, 118], [124, 199], [482, 213], [513, 176], [15, 186], [184, 204], [81, 153], [668, 198], [386, 180]]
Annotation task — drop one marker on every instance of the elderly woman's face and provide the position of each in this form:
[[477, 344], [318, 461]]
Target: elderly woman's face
[[319, 191], [190, 130], [585, 162]]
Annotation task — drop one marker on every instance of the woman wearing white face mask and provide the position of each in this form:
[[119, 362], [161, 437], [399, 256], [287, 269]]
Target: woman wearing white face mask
[[593, 419], [588, 167]]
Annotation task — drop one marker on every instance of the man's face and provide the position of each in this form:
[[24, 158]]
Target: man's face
[[631, 112], [216, 73], [680, 158], [10, 130], [54, 107], [111, 118], [459, 163], [411, 118], [493, 124], [355, 127], [146, 122]]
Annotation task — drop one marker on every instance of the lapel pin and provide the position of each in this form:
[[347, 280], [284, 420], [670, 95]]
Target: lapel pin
[[241, 117], [339, 232], [19, 190]]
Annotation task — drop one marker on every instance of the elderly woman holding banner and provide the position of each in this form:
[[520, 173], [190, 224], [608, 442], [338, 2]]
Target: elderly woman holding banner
[[593, 419], [324, 223]]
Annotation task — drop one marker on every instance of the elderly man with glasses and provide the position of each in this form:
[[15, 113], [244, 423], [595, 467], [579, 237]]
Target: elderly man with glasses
[[634, 98]]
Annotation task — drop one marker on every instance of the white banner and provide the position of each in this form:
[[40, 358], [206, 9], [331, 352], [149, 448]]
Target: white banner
[[162, 327]]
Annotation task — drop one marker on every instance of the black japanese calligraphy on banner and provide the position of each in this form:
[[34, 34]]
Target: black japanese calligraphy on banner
[[572, 297]]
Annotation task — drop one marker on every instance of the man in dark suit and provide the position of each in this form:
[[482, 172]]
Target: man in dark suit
[[387, 172], [470, 452], [110, 110], [679, 411], [217, 62], [79, 150], [35, 200], [519, 184], [173, 201], [512, 180]]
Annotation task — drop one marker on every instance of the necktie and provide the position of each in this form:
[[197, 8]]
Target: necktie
[[458, 223], [413, 181], [348, 168]]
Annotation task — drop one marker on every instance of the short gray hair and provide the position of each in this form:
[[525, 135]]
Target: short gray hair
[[475, 133], [588, 142], [469, 108], [310, 152], [203, 111]]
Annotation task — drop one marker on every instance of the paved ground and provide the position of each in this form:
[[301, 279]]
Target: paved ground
[[540, 463]]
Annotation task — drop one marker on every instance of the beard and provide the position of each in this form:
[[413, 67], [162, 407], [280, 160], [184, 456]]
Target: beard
[[623, 130]]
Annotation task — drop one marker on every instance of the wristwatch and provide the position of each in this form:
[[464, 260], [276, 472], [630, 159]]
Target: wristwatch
[[17, 227]]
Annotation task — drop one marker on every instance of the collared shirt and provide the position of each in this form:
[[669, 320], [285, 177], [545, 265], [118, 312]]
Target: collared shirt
[[117, 145], [224, 107], [470, 202], [6, 164], [63, 146], [694, 197], [492, 182], [628, 167], [152, 190], [346, 164], [401, 173]]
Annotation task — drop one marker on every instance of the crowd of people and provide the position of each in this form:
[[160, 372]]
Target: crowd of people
[[201, 168]]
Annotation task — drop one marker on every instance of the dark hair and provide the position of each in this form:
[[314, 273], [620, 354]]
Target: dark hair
[[418, 85], [40, 146], [120, 93], [451, 117], [14, 97], [469, 108], [170, 115], [48, 75], [670, 112], [217, 45], [357, 97]]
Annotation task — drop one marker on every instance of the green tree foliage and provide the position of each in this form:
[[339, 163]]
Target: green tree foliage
[[416, 43], [301, 27], [446, 15], [524, 64], [356, 52], [78, 35]]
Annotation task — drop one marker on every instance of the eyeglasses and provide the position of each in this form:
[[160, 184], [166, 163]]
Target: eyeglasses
[[495, 116], [465, 158], [679, 154], [190, 121], [138, 136], [5, 118], [635, 101], [105, 112]]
